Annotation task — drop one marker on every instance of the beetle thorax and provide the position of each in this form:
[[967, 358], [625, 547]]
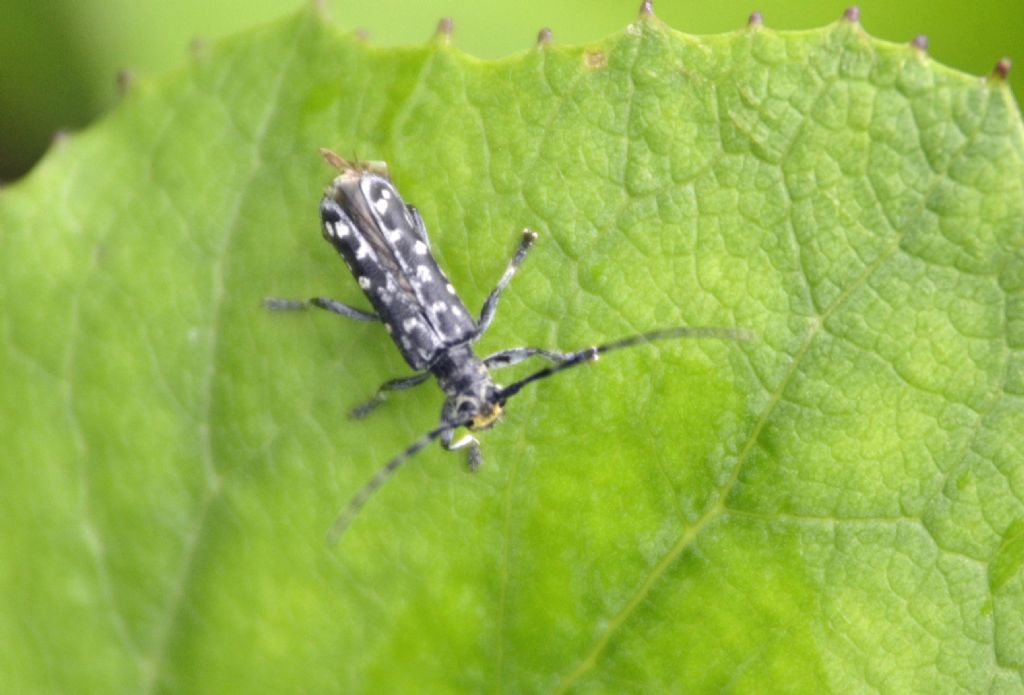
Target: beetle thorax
[[472, 396]]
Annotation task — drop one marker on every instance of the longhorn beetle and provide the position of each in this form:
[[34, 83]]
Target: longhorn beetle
[[384, 244]]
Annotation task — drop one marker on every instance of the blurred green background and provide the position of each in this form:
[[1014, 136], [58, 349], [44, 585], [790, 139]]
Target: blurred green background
[[59, 58]]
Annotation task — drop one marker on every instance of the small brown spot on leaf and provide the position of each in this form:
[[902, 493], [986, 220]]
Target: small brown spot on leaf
[[852, 14], [647, 8], [595, 59], [544, 37], [756, 19], [1002, 68], [920, 42]]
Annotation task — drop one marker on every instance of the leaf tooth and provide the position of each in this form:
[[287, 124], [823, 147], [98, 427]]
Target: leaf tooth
[[125, 81], [756, 19], [1002, 69], [320, 9], [852, 14], [59, 137], [199, 48], [544, 37], [443, 34], [920, 42]]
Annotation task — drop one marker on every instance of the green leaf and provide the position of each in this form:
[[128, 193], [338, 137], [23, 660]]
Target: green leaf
[[835, 506]]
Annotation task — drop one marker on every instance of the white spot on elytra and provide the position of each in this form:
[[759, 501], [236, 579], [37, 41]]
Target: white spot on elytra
[[385, 194], [420, 248], [451, 290], [364, 282], [438, 307], [362, 251], [456, 311], [388, 328], [393, 236], [423, 273], [410, 324], [381, 205]]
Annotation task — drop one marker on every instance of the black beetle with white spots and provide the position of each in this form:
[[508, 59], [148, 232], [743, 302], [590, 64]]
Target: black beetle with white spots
[[384, 244]]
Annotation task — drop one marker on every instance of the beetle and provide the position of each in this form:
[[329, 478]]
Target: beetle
[[384, 243]]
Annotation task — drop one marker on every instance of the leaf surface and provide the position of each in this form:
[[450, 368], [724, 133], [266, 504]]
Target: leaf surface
[[834, 506]]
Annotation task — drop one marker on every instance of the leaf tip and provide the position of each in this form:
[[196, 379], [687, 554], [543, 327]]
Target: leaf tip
[[60, 136], [920, 42], [756, 19], [1002, 69], [198, 47], [544, 37], [320, 8], [852, 14], [443, 33], [125, 81]]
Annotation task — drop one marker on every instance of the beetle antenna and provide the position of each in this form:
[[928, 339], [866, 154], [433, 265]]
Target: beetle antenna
[[591, 354], [351, 510]]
